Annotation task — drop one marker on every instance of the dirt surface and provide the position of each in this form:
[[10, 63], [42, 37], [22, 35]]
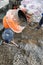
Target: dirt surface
[[30, 51]]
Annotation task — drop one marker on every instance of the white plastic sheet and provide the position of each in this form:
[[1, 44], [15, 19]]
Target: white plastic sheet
[[35, 7], [3, 3]]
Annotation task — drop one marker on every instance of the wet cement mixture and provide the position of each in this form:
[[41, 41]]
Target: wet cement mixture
[[30, 51]]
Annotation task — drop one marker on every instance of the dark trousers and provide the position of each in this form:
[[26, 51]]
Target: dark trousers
[[41, 21]]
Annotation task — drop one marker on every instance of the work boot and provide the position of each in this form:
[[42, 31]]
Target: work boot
[[38, 27]]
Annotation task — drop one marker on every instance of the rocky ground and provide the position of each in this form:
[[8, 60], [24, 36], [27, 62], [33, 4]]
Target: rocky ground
[[30, 51]]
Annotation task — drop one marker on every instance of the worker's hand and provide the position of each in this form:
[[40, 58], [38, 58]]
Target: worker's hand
[[15, 43]]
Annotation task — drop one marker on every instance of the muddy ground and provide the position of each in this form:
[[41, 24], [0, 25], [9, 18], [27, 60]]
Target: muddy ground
[[30, 51]]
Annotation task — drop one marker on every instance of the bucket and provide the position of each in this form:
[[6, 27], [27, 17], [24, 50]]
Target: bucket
[[16, 20], [22, 18]]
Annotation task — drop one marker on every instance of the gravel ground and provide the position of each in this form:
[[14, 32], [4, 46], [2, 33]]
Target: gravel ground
[[30, 51]]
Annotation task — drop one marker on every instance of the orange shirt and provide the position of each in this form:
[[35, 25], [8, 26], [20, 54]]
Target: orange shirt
[[9, 23]]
